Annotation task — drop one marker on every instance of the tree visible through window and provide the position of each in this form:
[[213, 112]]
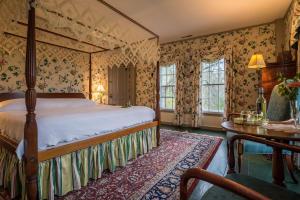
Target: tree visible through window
[[212, 86], [167, 87]]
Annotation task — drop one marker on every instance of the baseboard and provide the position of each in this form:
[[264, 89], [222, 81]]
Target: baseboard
[[209, 128], [219, 129]]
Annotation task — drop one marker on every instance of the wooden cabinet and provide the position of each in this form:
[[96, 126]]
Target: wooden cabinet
[[270, 75], [121, 85]]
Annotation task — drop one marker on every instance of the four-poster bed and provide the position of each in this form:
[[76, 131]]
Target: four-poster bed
[[37, 162]]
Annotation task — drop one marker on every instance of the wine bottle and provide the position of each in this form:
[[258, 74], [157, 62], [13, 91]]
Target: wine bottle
[[261, 104]]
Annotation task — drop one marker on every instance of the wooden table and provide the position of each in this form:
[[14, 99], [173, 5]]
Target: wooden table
[[284, 136]]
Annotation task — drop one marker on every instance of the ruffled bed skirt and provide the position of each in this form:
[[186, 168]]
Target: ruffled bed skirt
[[63, 174]]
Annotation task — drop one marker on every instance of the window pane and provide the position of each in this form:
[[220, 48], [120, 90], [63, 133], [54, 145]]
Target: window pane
[[162, 91], [205, 105], [162, 103], [169, 92], [169, 103], [162, 70], [221, 98], [205, 92], [170, 80], [214, 67], [169, 70], [205, 67], [212, 86], [221, 77], [163, 80], [221, 64], [167, 86], [205, 78], [214, 100], [214, 77], [173, 103]]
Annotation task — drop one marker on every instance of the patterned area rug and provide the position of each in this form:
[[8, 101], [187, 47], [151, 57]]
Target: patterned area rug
[[155, 175]]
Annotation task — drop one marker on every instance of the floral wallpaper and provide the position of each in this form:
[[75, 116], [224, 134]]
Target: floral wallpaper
[[243, 43], [58, 69]]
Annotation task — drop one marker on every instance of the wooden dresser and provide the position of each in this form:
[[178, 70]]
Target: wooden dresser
[[270, 75]]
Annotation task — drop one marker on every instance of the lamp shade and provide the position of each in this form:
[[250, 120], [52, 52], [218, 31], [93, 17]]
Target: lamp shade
[[100, 88], [257, 62]]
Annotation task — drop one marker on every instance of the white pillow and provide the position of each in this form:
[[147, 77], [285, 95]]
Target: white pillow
[[46, 103]]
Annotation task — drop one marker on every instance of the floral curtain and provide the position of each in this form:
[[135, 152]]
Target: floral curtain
[[177, 58], [179, 112], [295, 23]]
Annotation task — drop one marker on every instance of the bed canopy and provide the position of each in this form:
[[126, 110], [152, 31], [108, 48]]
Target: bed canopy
[[90, 26]]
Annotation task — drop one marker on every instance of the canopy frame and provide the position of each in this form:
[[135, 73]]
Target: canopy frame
[[30, 129]]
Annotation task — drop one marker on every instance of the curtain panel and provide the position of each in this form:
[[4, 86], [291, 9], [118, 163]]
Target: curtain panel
[[178, 59], [295, 24]]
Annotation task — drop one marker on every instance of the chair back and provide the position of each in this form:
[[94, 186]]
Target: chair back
[[279, 106]]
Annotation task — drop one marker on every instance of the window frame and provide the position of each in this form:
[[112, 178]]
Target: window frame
[[209, 85], [172, 86]]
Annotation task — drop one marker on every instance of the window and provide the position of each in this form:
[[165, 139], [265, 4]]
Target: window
[[212, 86], [167, 87]]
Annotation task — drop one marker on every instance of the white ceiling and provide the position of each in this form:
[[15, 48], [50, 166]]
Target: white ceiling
[[172, 19]]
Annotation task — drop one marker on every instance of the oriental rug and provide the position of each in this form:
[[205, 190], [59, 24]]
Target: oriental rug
[[155, 175]]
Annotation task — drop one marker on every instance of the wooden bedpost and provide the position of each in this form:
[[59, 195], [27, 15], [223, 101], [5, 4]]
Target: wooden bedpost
[[157, 110], [90, 78], [30, 129]]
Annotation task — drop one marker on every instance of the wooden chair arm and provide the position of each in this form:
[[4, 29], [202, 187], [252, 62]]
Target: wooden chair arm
[[273, 144], [218, 181]]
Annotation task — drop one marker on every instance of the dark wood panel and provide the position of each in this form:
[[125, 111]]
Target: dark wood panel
[[8, 96], [271, 72]]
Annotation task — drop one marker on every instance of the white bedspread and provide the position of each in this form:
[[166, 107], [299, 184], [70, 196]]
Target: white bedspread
[[61, 125]]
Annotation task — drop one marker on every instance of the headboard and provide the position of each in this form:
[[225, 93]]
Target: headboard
[[8, 96]]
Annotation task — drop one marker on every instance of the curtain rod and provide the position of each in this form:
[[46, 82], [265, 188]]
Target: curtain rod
[[61, 35], [120, 47], [127, 17]]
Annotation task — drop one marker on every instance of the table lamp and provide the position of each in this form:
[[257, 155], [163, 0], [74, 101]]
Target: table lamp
[[100, 90], [257, 62]]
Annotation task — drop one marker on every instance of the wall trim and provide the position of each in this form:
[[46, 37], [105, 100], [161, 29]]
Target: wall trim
[[208, 128], [221, 32]]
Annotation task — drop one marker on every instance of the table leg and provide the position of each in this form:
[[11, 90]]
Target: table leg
[[290, 164], [277, 167], [240, 147]]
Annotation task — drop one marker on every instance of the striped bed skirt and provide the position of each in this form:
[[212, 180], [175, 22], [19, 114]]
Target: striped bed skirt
[[69, 172]]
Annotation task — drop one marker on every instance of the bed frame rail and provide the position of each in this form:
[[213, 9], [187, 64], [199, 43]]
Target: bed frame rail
[[19, 95]]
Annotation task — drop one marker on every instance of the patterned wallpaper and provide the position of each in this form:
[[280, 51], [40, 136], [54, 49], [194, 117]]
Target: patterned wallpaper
[[63, 70], [145, 79], [243, 42], [58, 69]]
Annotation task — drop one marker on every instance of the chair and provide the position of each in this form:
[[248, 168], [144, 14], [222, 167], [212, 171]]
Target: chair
[[278, 110], [236, 186]]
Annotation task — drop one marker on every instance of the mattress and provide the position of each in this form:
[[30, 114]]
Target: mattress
[[218, 165], [61, 121]]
